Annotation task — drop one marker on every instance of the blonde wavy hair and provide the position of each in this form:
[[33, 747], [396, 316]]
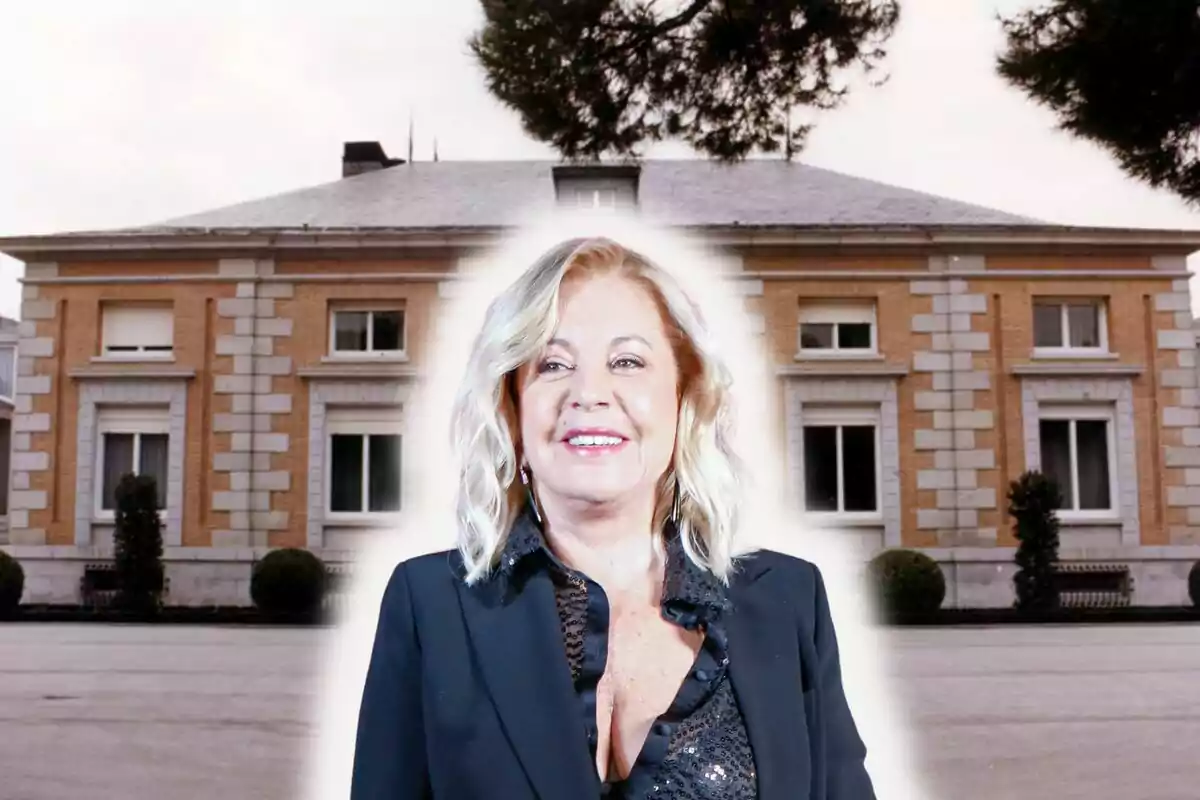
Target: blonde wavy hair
[[485, 428]]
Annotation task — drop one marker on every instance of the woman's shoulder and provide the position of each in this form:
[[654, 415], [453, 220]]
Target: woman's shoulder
[[443, 567], [793, 580], [794, 569]]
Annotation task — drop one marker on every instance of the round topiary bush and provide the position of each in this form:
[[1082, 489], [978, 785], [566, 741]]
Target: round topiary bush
[[1194, 584], [908, 582], [12, 584], [288, 581]]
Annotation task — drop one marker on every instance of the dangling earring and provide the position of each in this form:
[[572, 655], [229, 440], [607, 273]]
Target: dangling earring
[[675, 506], [529, 493]]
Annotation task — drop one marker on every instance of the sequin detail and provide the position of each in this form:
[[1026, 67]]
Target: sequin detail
[[571, 598], [698, 749]]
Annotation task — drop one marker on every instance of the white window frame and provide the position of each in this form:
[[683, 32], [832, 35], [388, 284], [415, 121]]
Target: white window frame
[[370, 353], [360, 422], [597, 198], [837, 314], [127, 421], [1067, 350], [164, 313], [1073, 413], [824, 416]]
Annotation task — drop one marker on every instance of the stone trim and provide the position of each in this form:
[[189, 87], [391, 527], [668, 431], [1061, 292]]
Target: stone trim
[[950, 360], [321, 395], [32, 353], [999, 555], [364, 370], [852, 391], [447, 278], [1171, 263], [135, 371], [254, 403], [1181, 386], [1078, 369], [98, 552], [843, 368], [1114, 391], [725, 236], [129, 393]]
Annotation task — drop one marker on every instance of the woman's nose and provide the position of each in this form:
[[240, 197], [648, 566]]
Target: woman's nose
[[591, 389]]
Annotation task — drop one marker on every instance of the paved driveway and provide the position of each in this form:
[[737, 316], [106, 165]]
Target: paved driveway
[[1062, 713], [187, 713]]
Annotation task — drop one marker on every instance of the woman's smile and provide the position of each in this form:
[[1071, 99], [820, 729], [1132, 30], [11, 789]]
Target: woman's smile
[[594, 442]]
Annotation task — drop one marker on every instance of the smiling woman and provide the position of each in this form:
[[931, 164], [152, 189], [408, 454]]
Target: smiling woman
[[594, 634], [595, 336]]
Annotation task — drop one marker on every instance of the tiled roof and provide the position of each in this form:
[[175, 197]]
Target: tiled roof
[[484, 194]]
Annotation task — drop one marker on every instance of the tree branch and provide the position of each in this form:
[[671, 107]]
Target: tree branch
[[669, 24]]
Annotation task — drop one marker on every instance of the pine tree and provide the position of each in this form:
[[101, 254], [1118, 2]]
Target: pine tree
[[1123, 74], [603, 77], [138, 546], [1034, 500]]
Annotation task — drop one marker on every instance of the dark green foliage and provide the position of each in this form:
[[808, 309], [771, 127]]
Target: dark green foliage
[[12, 584], [1124, 74], [908, 582], [1033, 502], [1194, 584], [601, 77], [138, 546], [288, 581]]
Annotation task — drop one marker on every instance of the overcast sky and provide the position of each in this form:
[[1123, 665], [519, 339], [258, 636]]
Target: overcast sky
[[133, 111]]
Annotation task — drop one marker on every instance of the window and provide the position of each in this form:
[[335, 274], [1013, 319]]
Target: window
[[363, 462], [368, 332], [8, 373], [1069, 325], [596, 186], [592, 195], [130, 441], [592, 198], [1078, 453], [137, 331], [5, 455], [841, 461], [837, 330]]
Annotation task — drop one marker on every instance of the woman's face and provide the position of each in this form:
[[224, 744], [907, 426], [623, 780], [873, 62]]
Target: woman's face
[[599, 407]]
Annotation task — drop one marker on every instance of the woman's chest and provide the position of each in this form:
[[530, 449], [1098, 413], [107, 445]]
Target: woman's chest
[[648, 659]]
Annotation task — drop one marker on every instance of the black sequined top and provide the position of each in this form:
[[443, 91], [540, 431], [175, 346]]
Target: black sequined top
[[698, 749]]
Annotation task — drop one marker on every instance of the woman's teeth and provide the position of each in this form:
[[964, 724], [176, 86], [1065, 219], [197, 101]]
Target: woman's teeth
[[594, 441]]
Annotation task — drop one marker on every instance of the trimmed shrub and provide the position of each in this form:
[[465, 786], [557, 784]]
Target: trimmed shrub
[[289, 580], [1033, 501], [12, 584], [138, 546], [908, 582], [1194, 584]]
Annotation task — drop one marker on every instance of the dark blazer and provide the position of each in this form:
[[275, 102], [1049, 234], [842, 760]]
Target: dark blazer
[[468, 694]]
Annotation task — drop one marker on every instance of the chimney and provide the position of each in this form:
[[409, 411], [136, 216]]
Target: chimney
[[360, 157]]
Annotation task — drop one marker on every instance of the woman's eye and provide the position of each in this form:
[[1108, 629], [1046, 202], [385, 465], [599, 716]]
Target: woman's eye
[[628, 362], [551, 366]]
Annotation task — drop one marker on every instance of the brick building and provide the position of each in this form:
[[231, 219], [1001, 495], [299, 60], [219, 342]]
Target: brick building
[[8, 391], [257, 358]]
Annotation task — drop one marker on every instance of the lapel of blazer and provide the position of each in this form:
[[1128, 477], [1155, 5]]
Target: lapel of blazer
[[518, 641], [764, 666]]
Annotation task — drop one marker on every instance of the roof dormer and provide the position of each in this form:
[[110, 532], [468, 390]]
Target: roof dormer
[[598, 186]]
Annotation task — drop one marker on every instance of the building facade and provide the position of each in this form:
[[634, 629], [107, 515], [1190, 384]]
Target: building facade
[[257, 361], [8, 391]]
